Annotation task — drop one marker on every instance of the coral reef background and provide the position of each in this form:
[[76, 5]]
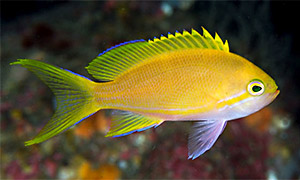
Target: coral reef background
[[70, 34]]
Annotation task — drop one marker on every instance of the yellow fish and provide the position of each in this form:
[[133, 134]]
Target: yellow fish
[[181, 77]]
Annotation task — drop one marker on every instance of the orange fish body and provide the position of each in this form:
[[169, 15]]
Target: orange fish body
[[175, 78]]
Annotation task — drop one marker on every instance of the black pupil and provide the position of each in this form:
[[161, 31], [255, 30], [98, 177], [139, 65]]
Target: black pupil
[[256, 88]]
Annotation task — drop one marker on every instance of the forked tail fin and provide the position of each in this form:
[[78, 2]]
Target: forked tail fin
[[74, 98]]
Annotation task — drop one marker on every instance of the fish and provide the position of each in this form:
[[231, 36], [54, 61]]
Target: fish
[[184, 76]]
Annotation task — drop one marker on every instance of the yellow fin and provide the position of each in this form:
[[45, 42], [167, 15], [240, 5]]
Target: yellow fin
[[120, 58], [74, 98], [125, 123], [191, 40], [117, 59]]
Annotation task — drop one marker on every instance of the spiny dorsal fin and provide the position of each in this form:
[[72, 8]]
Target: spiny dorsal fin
[[118, 59], [191, 40]]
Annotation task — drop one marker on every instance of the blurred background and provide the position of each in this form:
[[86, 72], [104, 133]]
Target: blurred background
[[70, 34]]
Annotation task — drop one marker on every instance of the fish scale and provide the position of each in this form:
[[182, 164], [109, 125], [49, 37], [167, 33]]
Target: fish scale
[[133, 82]]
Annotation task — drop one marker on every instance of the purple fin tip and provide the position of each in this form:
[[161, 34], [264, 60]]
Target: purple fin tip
[[122, 44]]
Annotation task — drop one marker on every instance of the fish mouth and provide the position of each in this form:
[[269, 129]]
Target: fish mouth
[[275, 94], [267, 99]]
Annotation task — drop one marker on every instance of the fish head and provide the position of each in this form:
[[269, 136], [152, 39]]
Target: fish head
[[254, 89]]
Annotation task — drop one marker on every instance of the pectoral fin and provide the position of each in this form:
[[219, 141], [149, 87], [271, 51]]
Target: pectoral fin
[[203, 135]]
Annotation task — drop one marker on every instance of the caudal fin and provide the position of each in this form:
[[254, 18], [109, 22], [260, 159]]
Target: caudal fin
[[74, 98]]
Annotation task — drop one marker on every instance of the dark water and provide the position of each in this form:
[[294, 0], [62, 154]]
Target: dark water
[[71, 34]]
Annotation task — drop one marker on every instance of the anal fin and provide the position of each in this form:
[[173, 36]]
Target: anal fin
[[124, 123], [203, 135]]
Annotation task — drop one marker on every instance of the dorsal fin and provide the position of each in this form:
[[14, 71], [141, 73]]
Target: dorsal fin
[[193, 40], [114, 61]]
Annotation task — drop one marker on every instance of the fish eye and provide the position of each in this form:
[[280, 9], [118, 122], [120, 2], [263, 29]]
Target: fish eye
[[256, 87]]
